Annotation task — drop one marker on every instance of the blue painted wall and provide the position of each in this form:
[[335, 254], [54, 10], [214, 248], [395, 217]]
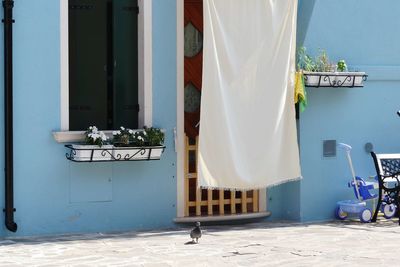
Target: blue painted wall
[[364, 33], [53, 195], [283, 201]]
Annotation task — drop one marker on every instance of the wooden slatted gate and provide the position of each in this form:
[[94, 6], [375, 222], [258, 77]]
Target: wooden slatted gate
[[203, 202]]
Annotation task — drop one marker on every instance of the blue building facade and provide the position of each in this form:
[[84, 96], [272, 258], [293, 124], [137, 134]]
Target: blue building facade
[[362, 33], [53, 195]]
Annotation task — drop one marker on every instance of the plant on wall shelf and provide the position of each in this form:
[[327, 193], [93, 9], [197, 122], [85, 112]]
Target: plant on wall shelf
[[323, 63], [147, 137], [139, 138], [93, 149], [320, 63], [153, 136], [341, 65], [123, 137], [95, 137], [126, 145], [305, 61], [138, 145], [321, 72]]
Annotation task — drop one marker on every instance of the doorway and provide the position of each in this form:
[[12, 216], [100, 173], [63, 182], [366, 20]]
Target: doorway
[[203, 202]]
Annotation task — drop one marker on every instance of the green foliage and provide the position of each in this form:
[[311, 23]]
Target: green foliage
[[95, 137], [147, 137], [305, 61], [341, 65], [322, 62], [139, 138], [154, 136], [123, 137]]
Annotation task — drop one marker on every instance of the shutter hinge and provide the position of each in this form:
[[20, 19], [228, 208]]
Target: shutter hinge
[[81, 7], [131, 8]]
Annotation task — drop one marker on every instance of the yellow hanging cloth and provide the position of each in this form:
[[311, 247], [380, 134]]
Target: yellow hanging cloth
[[300, 95]]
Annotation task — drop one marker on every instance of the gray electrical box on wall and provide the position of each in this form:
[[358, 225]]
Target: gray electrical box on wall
[[329, 148]]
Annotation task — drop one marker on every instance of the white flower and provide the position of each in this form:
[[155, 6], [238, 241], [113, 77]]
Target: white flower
[[131, 131], [114, 132], [122, 128], [118, 132], [144, 133], [140, 138], [94, 134]]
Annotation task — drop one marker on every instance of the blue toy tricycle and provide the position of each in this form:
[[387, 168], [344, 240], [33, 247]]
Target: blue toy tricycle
[[363, 194]]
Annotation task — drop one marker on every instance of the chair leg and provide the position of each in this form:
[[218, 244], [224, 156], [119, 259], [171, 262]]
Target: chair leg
[[378, 205], [398, 205]]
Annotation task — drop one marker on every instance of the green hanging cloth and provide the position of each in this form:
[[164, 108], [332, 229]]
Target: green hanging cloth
[[300, 95]]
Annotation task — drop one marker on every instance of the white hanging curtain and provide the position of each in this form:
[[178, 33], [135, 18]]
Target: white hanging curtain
[[248, 136]]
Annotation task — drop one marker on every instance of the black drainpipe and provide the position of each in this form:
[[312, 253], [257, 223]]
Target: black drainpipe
[[8, 114]]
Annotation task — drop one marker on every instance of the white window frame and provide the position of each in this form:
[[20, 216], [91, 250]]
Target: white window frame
[[145, 68]]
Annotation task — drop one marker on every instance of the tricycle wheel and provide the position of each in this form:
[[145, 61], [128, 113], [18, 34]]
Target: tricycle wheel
[[389, 210], [340, 214], [365, 215]]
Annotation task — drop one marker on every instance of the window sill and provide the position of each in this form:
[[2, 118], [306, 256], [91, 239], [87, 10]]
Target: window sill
[[76, 136], [69, 136]]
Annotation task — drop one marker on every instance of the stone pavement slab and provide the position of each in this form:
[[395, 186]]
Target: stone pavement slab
[[261, 244]]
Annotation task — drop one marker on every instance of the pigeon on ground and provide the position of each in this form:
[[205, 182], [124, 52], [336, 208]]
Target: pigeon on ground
[[196, 233]]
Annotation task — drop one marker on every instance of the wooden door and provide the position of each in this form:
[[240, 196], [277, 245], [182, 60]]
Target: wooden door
[[200, 202]]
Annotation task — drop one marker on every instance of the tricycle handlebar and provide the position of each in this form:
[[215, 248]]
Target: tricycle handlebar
[[346, 147]]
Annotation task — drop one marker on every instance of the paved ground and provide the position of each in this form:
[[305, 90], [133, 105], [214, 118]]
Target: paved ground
[[266, 244]]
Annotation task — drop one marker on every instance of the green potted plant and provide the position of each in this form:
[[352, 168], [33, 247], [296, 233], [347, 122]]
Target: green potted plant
[[95, 147], [321, 67], [304, 61], [320, 71], [123, 137], [153, 138], [323, 63], [138, 144], [124, 148], [341, 65]]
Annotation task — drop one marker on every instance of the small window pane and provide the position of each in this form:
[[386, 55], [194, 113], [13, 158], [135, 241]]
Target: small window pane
[[192, 98], [193, 41]]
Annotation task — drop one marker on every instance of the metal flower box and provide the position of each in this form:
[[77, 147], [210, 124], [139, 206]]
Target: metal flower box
[[334, 79], [109, 153]]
